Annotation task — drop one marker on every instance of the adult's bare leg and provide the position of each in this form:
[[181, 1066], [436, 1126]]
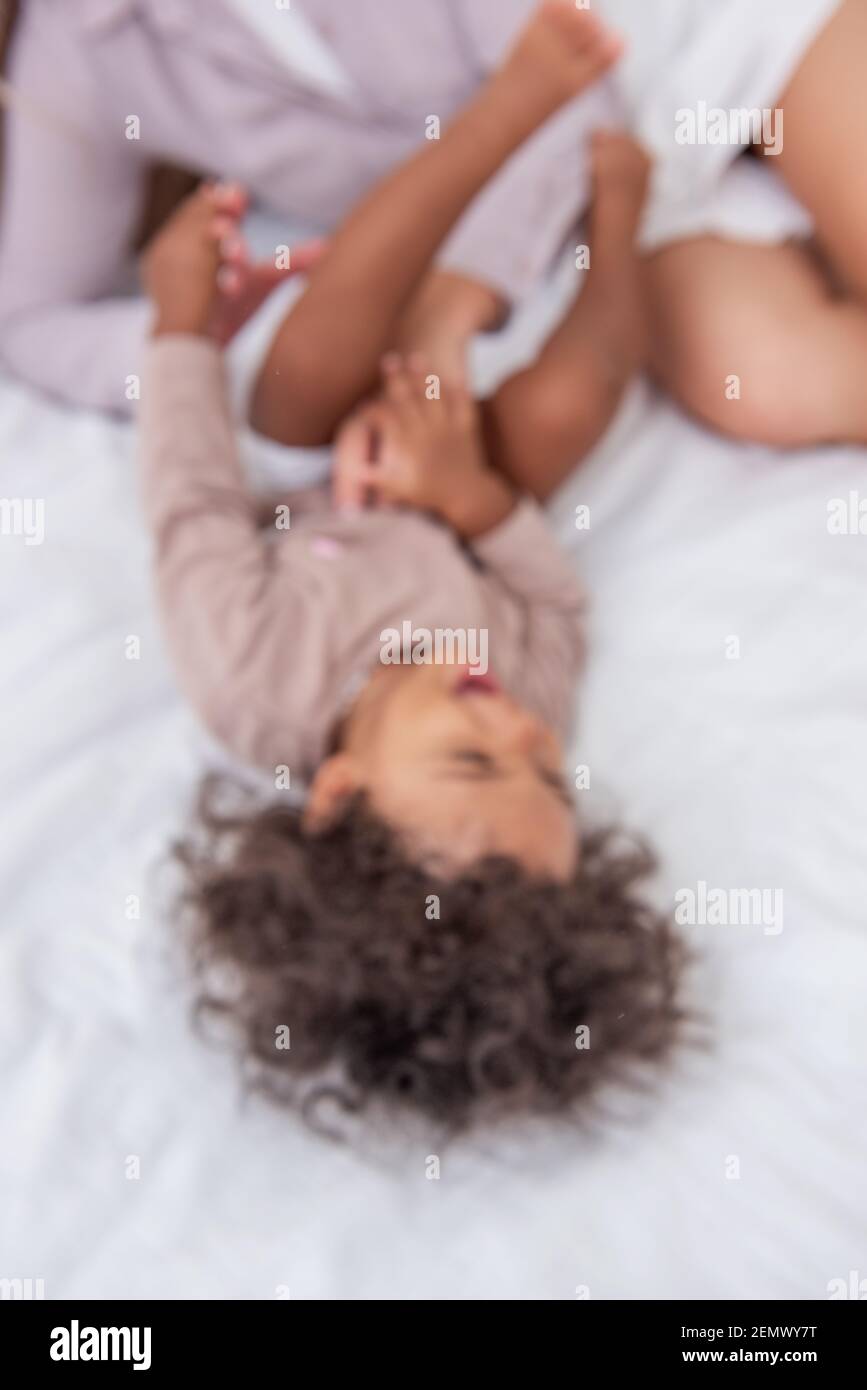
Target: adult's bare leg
[[824, 148], [752, 340]]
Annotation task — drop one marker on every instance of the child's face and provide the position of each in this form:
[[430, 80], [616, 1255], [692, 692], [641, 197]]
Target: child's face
[[456, 766]]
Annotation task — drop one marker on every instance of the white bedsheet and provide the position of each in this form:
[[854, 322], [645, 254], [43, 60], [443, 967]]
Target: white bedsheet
[[748, 773]]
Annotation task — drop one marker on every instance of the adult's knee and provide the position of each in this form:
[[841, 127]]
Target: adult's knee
[[735, 371]]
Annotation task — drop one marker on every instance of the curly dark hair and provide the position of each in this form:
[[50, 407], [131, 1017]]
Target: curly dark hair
[[460, 998]]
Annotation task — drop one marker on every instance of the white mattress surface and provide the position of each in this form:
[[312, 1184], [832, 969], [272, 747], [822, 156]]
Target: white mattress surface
[[747, 773]]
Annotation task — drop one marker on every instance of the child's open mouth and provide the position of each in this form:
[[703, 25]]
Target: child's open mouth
[[470, 684]]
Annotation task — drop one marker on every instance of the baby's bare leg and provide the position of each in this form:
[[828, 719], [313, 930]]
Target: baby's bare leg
[[326, 356], [543, 421], [751, 340]]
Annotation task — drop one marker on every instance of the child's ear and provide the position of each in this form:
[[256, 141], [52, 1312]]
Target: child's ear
[[338, 779]]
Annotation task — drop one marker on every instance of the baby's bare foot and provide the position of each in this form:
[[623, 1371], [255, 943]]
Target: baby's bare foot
[[563, 50]]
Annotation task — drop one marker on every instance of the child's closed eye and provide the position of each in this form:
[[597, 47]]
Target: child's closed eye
[[481, 765], [475, 758]]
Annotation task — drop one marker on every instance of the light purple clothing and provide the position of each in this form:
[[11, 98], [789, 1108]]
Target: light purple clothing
[[211, 95]]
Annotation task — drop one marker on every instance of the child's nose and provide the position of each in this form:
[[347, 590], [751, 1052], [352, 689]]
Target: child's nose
[[523, 732]]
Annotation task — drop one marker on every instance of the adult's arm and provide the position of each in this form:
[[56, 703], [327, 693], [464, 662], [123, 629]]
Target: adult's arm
[[70, 200]]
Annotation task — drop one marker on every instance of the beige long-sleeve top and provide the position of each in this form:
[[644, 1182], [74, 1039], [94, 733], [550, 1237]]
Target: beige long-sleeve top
[[273, 632]]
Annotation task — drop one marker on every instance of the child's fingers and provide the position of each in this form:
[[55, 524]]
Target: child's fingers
[[356, 485], [261, 277], [231, 198], [234, 250], [229, 240], [226, 205], [366, 474], [459, 400], [384, 421], [402, 387], [221, 227], [420, 374], [305, 256], [230, 280], [353, 461], [233, 272], [267, 275]]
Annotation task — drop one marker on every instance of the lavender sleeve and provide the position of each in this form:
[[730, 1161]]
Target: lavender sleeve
[[71, 195]]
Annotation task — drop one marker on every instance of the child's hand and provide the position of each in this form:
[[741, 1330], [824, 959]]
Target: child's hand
[[198, 272], [444, 315], [420, 446]]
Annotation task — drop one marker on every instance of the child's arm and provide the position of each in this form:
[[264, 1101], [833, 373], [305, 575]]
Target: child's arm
[[224, 616], [545, 605], [210, 560]]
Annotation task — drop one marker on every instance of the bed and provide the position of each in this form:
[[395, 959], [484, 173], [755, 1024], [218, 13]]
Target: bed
[[723, 713]]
